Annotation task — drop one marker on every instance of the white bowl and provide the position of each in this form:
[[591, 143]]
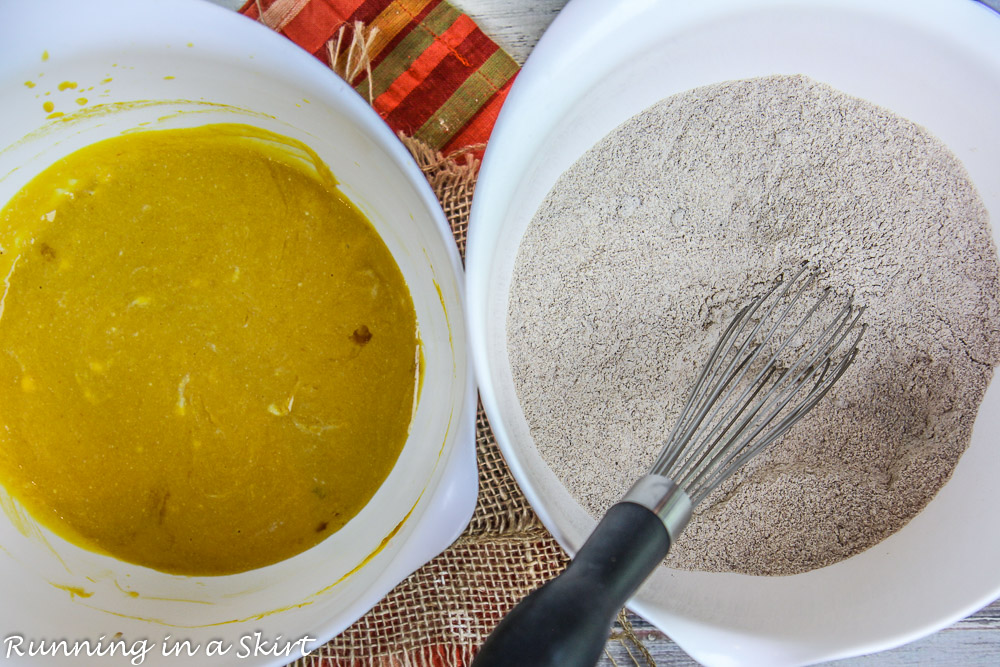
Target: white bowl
[[935, 62], [226, 68]]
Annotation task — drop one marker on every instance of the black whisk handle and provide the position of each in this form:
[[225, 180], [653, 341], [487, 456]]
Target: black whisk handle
[[565, 623]]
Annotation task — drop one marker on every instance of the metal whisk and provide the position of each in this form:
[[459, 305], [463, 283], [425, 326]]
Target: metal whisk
[[776, 359]]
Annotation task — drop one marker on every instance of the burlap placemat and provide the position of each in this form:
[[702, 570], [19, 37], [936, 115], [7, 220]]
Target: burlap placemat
[[439, 82]]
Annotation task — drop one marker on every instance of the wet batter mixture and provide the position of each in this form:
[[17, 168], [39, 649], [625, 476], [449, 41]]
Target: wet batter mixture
[[207, 354]]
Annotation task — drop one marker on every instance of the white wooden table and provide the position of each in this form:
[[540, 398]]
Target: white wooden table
[[516, 25]]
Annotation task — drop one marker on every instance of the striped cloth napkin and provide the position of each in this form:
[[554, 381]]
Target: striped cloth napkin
[[426, 67]]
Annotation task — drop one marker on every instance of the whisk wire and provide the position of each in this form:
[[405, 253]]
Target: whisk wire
[[723, 471], [747, 397], [753, 440], [727, 419], [710, 453], [705, 394], [741, 362], [669, 454], [815, 361]]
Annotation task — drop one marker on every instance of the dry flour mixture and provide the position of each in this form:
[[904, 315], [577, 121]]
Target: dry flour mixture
[[647, 246]]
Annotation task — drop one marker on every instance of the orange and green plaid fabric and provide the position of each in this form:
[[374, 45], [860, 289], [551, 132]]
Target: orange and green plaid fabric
[[434, 75]]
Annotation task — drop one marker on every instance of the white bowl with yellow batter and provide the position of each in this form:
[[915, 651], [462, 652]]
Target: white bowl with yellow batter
[[202, 72]]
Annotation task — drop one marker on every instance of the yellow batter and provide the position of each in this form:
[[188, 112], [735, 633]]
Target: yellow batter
[[207, 355]]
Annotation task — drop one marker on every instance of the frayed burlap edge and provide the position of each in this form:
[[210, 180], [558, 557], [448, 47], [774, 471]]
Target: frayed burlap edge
[[453, 179], [441, 614]]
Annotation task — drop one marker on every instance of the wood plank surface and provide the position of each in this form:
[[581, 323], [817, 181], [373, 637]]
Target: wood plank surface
[[972, 642]]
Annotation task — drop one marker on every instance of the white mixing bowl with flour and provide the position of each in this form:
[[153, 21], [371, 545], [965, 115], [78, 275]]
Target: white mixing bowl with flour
[[935, 63]]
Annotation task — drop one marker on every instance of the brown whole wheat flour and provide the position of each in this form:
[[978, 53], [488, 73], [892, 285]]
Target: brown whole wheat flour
[[645, 249]]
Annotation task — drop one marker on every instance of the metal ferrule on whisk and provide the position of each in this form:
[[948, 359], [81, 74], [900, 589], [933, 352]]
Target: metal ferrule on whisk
[[665, 499]]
